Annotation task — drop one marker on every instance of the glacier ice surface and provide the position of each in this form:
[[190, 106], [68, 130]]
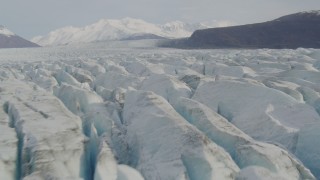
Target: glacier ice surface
[[121, 110]]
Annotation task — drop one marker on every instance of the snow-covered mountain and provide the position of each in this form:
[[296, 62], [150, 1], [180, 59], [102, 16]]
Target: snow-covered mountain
[[9, 39], [111, 29]]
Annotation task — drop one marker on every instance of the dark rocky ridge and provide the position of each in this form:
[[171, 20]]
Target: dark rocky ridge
[[291, 31], [15, 42]]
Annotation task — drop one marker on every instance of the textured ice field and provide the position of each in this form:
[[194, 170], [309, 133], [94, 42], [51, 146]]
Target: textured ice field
[[119, 111]]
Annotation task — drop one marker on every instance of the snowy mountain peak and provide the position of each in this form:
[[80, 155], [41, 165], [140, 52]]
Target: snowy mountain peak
[[5, 31], [124, 22], [114, 29], [314, 12]]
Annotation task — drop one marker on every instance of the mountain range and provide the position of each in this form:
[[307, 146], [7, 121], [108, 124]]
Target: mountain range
[[10, 40], [123, 29], [290, 31]]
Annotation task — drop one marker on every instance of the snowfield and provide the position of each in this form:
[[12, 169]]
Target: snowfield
[[129, 111]]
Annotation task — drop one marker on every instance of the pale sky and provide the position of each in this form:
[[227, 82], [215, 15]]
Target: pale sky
[[29, 18]]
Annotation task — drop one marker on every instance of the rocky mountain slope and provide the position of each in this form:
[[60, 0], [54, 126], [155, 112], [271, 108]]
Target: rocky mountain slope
[[10, 40], [291, 31]]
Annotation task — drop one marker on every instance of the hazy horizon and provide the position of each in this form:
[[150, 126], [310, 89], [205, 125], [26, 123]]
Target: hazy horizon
[[35, 17]]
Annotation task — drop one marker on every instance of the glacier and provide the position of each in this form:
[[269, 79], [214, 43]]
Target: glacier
[[129, 111]]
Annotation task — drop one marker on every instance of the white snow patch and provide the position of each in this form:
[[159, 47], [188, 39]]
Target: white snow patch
[[5, 31]]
